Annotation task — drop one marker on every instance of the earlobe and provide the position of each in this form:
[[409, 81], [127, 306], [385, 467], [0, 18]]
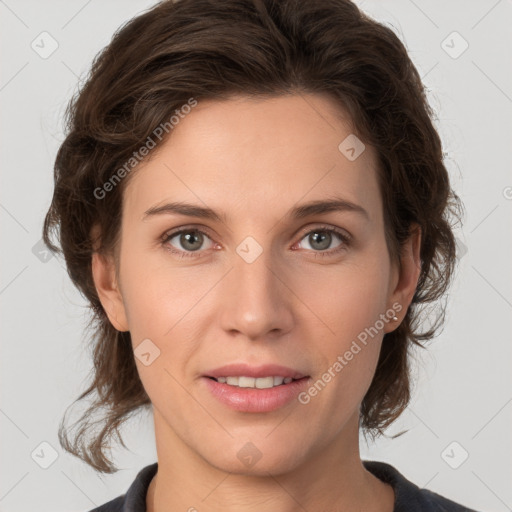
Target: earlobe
[[408, 274], [103, 272]]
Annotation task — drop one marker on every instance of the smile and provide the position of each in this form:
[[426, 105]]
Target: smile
[[252, 382]]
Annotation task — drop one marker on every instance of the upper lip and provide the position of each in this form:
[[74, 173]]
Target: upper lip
[[267, 370]]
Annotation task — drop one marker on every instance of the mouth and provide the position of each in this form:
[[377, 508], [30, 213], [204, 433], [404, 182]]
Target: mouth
[[261, 377], [255, 382], [255, 389]]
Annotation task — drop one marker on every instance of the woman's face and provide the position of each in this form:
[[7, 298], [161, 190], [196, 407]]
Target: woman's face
[[261, 283]]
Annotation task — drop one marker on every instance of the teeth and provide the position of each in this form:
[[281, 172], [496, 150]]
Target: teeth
[[251, 382], [246, 382]]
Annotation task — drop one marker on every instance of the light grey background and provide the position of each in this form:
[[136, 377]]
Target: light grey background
[[463, 391]]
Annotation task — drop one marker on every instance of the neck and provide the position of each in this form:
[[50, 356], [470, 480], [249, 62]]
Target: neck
[[333, 479]]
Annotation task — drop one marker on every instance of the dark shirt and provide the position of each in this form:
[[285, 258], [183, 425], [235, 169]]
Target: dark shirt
[[408, 496]]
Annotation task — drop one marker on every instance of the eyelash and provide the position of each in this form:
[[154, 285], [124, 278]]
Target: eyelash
[[345, 239]]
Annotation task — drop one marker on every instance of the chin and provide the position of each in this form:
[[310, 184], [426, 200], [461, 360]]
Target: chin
[[258, 459]]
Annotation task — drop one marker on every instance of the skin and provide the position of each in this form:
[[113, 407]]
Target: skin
[[255, 160]]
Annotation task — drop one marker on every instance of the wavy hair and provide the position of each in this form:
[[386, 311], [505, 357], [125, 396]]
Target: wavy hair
[[212, 49]]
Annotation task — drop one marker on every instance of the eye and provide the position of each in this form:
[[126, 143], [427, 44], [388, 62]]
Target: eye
[[190, 240], [321, 238]]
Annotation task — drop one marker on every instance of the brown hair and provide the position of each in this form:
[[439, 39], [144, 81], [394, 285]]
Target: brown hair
[[211, 49]]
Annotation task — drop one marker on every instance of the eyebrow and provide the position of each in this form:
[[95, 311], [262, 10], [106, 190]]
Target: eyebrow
[[317, 207]]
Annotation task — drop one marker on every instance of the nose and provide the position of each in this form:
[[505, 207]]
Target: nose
[[257, 302]]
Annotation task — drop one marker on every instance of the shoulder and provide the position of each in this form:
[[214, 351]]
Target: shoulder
[[408, 496], [134, 500]]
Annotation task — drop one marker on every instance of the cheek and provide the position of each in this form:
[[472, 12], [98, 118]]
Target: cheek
[[348, 298], [160, 299], [166, 306], [349, 303]]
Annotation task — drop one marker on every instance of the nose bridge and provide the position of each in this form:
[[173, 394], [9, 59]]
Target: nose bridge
[[256, 301]]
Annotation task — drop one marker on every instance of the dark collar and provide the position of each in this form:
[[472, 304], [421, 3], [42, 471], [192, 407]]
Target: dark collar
[[408, 496]]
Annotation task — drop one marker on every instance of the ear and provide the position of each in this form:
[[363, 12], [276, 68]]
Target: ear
[[105, 281], [406, 275]]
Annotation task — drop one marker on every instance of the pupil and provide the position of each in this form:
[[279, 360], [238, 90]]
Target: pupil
[[189, 240], [322, 238]]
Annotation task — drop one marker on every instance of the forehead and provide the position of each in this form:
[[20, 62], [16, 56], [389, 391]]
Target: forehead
[[251, 155]]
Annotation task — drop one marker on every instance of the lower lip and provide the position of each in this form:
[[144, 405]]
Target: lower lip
[[255, 400]]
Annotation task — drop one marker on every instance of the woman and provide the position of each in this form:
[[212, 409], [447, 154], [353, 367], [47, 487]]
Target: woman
[[252, 197]]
